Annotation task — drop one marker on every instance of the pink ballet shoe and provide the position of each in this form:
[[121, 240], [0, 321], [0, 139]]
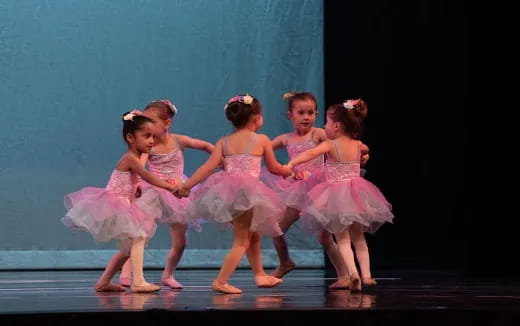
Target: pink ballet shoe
[[225, 288], [355, 283], [267, 281], [369, 281], [110, 287], [145, 288], [172, 283]]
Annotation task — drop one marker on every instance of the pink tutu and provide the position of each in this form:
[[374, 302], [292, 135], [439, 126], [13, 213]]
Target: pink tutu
[[293, 193], [223, 197], [106, 215], [110, 213], [173, 209], [335, 206]]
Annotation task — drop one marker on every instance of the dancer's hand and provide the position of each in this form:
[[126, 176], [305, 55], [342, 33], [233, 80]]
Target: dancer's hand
[[287, 171], [175, 188], [300, 175], [182, 192], [364, 159]]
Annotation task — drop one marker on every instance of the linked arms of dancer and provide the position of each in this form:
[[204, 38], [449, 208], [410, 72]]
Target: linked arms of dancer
[[194, 143], [136, 165], [204, 171], [270, 159], [308, 155]]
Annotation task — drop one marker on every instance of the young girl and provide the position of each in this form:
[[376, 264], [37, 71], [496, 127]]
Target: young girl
[[236, 194], [166, 161], [302, 111], [113, 212], [345, 204]]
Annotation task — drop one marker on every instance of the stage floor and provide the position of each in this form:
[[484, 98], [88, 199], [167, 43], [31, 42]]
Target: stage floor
[[424, 296]]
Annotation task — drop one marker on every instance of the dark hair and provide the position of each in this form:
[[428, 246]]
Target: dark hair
[[133, 124], [351, 119], [291, 97], [165, 108], [239, 113]]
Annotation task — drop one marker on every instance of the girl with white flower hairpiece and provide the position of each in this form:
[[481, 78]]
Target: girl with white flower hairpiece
[[114, 212], [166, 160], [345, 204], [302, 110], [236, 195]]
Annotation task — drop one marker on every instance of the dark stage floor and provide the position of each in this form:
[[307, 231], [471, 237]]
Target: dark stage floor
[[403, 297]]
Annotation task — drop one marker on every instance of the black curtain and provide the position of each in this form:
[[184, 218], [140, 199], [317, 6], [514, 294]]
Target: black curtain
[[407, 59]]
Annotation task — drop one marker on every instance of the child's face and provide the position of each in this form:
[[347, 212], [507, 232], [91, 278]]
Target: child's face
[[331, 127], [303, 114], [143, 138], [160, 125]]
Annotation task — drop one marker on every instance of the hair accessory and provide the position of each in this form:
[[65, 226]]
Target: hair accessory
[[287, 96], [246, 99], [130, 115], [170, 105]]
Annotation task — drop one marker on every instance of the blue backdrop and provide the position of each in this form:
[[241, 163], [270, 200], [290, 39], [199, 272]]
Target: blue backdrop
[[70, 68]]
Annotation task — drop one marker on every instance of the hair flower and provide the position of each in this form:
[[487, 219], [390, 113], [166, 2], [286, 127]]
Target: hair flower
[[129, 116], [170, 105], [349, 105], [247, 99]]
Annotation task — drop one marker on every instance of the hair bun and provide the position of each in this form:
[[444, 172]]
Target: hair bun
[[287, 96], [360, 109]]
